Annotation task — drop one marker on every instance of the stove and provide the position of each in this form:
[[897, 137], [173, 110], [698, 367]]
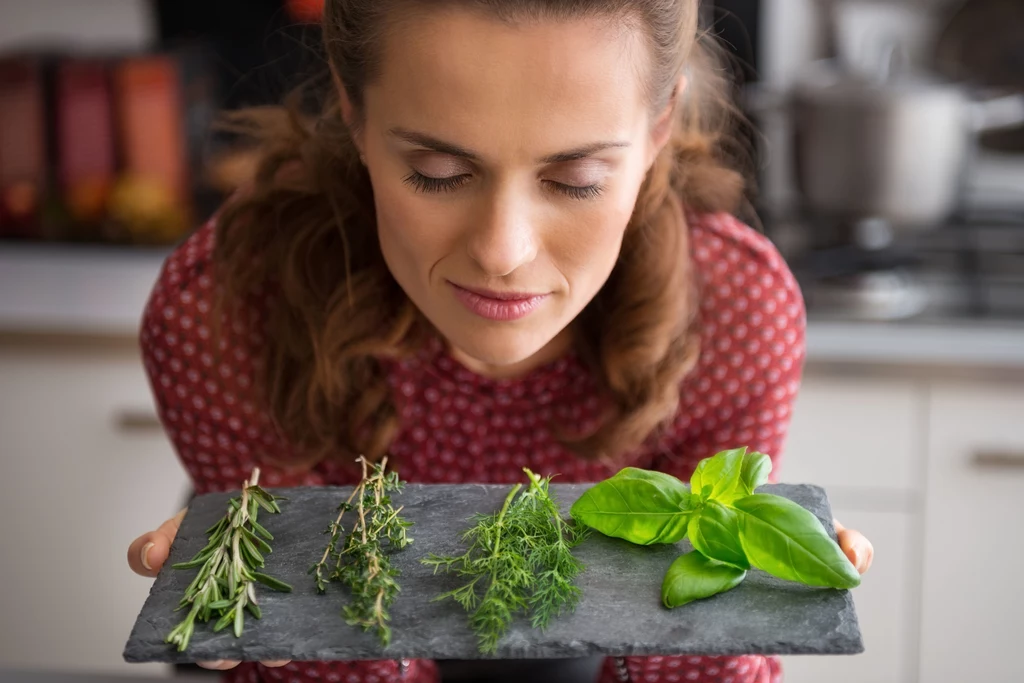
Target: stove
[[971, 267]]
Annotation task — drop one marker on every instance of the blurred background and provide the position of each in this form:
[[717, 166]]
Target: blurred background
[[889, 140]]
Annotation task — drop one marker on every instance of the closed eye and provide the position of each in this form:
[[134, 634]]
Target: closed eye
[[577, 192], [430, 185]]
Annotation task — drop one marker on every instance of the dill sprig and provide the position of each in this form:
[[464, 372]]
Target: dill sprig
[[550, 555], [224, 587], [361, 559], [519, 560]]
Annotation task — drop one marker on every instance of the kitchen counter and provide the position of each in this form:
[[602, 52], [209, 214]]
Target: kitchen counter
[[75, 290], [101, 292]]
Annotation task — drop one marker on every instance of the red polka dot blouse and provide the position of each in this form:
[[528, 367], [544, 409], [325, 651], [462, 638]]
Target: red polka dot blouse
[[457, 426]]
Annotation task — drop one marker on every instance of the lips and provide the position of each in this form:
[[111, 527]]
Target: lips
[[498, 306]]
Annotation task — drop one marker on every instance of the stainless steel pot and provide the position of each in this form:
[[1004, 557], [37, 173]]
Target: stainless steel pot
[[887, 147]]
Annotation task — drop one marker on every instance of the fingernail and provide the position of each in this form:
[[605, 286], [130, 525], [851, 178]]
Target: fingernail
[[145, 555], [211, 665], [858, 557]]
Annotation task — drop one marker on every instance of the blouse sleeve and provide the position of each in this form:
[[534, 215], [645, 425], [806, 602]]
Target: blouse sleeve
[[752, 326]]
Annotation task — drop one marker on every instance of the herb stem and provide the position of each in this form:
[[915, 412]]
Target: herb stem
[[362, 561], [501, 518]]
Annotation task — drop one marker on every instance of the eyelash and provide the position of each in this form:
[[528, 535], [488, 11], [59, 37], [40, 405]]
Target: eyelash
[[430, 185]]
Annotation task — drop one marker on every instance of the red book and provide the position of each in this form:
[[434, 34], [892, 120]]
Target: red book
[[86, 164], [152, 200], [23, 170]]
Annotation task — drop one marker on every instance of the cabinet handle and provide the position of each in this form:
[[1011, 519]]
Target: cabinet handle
[[132, 421], [999, 460]]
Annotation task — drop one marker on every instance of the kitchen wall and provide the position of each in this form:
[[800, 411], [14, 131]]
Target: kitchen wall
[[87, 24]]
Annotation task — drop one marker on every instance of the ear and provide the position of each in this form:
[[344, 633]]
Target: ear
[[661, 130], [347, 109]]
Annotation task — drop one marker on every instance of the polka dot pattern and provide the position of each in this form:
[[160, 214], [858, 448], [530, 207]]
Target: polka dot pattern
[[457, 426]]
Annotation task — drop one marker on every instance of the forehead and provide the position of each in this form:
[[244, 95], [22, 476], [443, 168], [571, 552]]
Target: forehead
[[484, 83]]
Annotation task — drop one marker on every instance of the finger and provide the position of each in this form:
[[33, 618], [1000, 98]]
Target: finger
[[148, 552], [839, 527], [857, 548], [219, 665], [276, 664]]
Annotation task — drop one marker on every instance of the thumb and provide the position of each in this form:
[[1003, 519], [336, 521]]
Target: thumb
[[148, 552]]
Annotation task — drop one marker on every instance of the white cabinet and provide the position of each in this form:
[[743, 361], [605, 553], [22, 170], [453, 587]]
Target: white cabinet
[[885, 608], [85, 470], [862, 440], [853, 435], [973, 598]]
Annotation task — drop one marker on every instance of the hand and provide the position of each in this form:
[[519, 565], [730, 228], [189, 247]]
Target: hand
[[856, 546], [147, 554]]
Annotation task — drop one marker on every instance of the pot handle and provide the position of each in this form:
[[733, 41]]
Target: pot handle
[[997, 113]]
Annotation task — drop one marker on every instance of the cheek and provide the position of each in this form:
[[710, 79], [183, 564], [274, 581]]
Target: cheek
[[412, 236], [588, 250]]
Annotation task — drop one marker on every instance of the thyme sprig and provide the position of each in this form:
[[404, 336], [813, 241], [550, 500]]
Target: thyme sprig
[[519, 560], [361, 560], [228, 566]]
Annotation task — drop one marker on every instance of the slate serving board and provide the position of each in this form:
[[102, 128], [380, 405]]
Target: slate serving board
[[620, 612]]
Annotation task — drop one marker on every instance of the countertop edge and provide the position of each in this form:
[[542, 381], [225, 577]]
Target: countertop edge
[[85, 294]]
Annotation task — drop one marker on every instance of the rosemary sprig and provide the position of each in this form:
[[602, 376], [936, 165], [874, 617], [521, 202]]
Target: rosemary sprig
[[519, 560], [228, 566], [362, 560]]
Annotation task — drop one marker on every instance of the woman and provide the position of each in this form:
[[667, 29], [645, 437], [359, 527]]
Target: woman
[[505, 243]]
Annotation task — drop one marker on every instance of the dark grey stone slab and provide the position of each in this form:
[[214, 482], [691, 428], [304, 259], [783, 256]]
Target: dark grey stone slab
[[620, 612]]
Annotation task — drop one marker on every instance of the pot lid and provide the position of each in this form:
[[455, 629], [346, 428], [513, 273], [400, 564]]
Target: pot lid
[[832, 78]]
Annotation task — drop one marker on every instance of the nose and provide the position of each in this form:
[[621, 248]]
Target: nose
[[503, 237]]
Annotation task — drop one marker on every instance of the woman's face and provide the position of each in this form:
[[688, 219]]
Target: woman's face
[[506, 162]]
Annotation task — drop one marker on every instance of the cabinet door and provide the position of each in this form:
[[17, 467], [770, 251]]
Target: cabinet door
[[973, 595], [85, 470], [852, 436], [884, 602]]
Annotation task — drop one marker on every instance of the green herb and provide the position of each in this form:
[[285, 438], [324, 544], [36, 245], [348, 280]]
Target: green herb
[[715, 532], [693, 576], [783, 539], [730, 526], [640, 506], [519, 560], [228, 566], [362, 561]]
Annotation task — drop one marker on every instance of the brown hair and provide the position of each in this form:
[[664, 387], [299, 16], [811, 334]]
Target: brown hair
[[328, 327]]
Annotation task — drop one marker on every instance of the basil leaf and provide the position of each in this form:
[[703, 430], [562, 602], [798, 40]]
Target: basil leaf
[[782, 538], [693, 576], [714, 532], [753, 473], [722, 473], [639, 506]]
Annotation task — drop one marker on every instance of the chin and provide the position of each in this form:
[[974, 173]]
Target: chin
[[498, 348]]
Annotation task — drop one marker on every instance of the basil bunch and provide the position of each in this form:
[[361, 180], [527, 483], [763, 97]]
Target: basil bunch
[[731, 527]]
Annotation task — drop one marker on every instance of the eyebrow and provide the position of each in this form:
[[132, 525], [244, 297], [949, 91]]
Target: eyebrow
[[437, 145]]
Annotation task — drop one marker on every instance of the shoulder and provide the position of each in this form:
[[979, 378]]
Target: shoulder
[[751, 325], [726, 251], [179, 307], [202, 367], [745, 285]]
